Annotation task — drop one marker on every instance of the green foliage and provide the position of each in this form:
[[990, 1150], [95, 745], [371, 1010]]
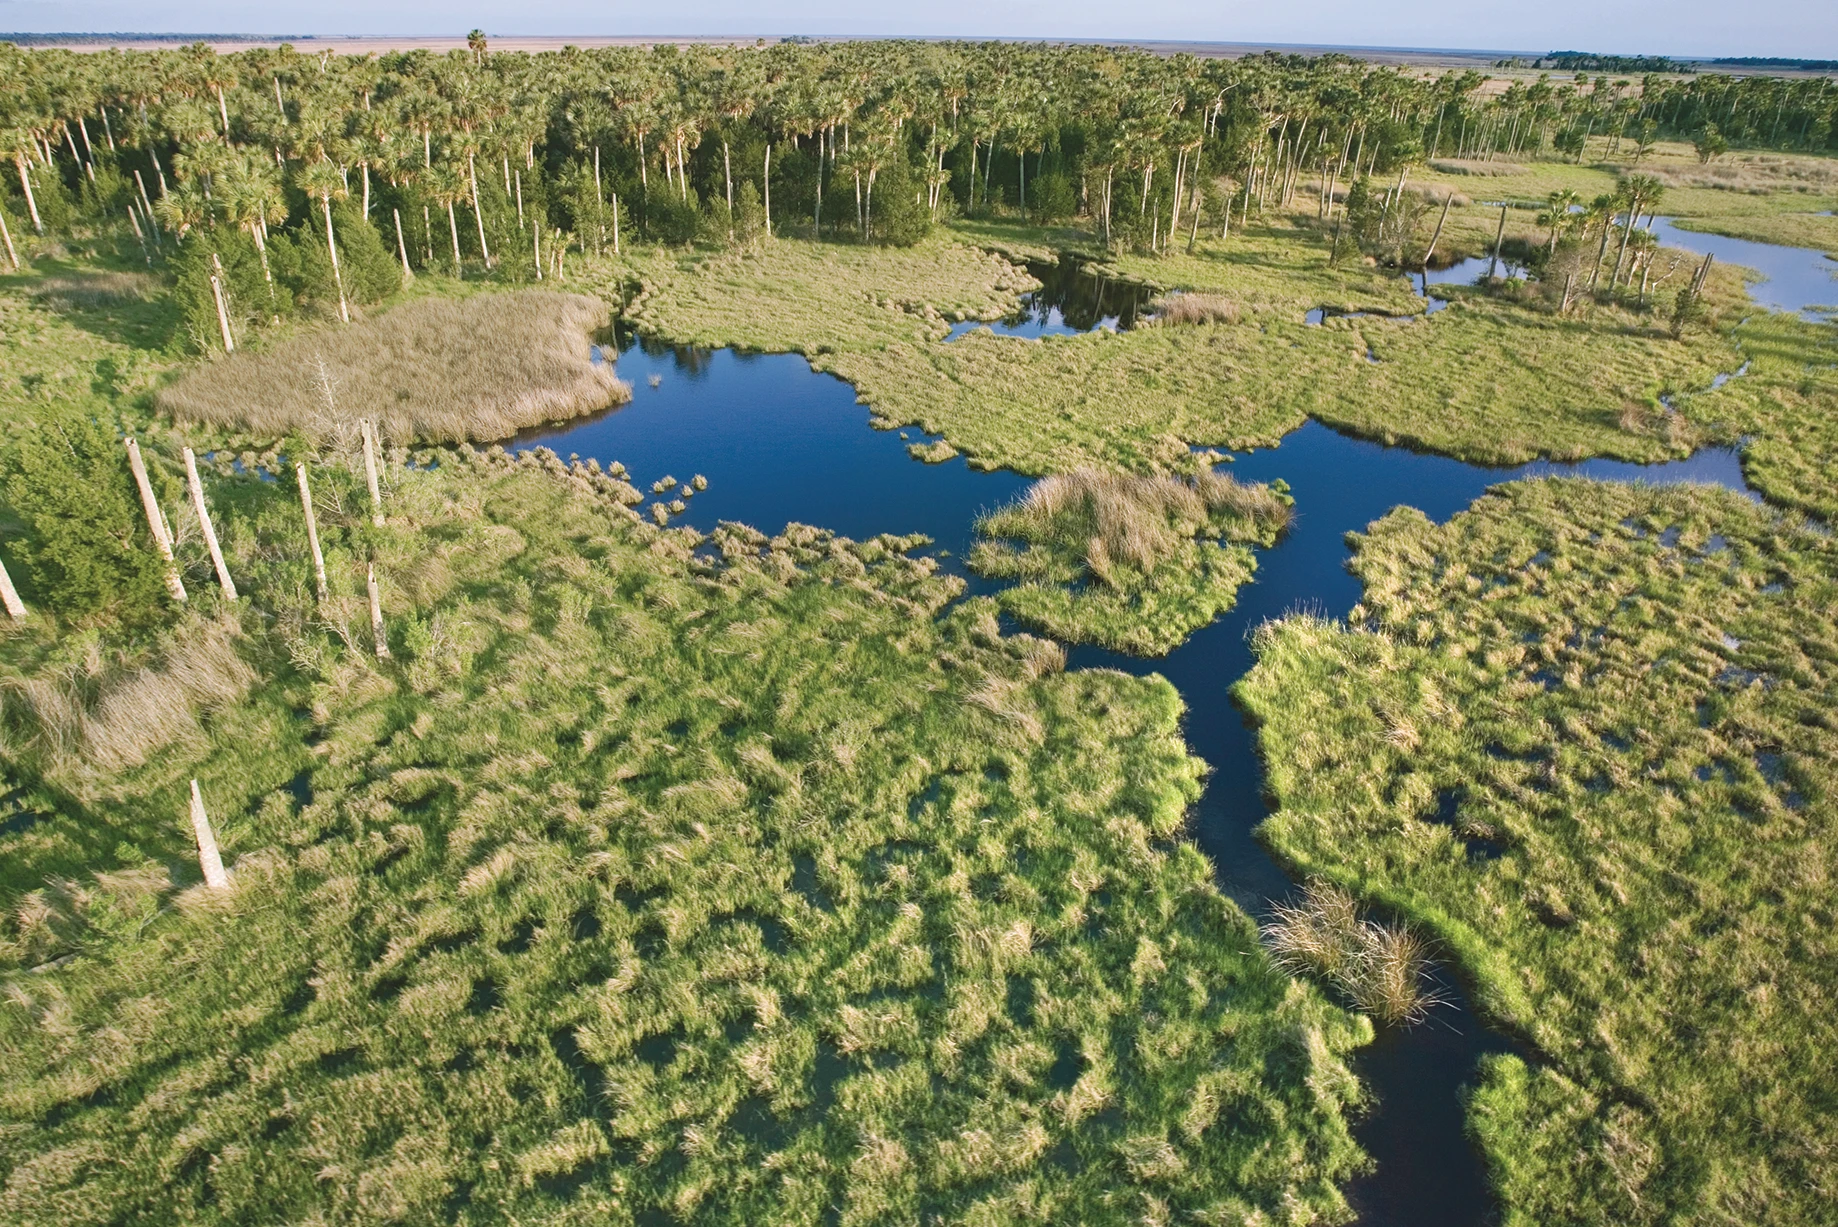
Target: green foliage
[[86, 549], [899, 216], [1588, 741], [672, 219], [1052, 198], [1710, 144]]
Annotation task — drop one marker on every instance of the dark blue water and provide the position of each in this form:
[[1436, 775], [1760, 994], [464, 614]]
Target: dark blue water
[[780, 443]]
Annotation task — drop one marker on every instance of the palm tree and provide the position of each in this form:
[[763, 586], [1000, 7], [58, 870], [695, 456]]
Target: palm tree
[[1559, 214], [446, 189], [251, 199], [14, 143], [322, 179]]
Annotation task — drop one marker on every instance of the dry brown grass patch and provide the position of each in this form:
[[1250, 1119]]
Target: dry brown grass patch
[[1194, 308], [439, 369]]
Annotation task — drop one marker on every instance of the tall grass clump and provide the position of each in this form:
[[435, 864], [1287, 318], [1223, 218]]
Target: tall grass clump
[[1132, 562], [1383, 969], [481, 367], [1193, 307]]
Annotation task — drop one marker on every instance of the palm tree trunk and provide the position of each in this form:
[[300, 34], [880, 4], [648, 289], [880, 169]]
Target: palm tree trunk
[[13, 255], [453, 229], [344, 312], [223, 314], [478, 214], [768, 182], [401, 249], [25, 181], [1430, 251]]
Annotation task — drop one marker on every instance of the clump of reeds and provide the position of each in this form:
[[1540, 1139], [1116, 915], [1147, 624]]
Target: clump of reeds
[[113, 723], [1118, 520], [1383, 969], [439, 369], [91, 290], [1191, 307]]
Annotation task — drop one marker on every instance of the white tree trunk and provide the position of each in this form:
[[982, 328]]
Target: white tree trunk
[[204, 522], [12, 254], [312, 531], [25, 181], [208, 859], [223, 314], [402, 247], [344, 312], [477, 214], [376, 615], [370, 472], [15, 608], [156, 522]]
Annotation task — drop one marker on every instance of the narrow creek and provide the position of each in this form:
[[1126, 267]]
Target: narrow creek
[[779, 442]]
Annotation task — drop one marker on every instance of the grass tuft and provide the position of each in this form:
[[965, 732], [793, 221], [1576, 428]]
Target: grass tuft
[[1383, 969]]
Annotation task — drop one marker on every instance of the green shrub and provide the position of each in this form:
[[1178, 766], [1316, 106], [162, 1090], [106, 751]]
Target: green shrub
[[84, 551], [900, 217]]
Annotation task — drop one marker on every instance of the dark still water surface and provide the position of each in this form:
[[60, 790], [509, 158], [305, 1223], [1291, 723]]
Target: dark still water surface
[[780, 443]]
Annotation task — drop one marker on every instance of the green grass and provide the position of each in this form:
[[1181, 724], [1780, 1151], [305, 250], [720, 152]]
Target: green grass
[[481, 367], [642, 888], [1484, 380], [1584, 735], [1132, 563], [814, 298], [1784, 408]]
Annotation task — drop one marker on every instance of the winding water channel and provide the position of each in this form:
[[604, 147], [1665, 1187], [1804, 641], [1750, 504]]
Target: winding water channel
[[780, 443]]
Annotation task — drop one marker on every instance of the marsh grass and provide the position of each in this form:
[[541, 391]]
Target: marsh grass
[[479, 367], [1582, 733], [90, 291], [1135, 563], [1383, 969], [108, 721], [656, 877]]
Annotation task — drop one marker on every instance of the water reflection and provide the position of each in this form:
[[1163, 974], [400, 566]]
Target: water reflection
[[1073, 297]]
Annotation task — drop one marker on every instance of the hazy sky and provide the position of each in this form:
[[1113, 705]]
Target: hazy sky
[[1805, 28]]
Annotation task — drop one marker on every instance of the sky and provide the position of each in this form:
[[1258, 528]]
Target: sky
[[1797, 28]]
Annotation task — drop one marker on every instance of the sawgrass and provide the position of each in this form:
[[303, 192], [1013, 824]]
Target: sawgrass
[[1584, 735], [478, 367], [648, 886], [1134, 563]]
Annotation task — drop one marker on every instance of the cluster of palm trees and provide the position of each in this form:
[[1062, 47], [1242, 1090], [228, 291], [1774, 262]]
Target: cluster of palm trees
[[175, 142], [1612, 219]]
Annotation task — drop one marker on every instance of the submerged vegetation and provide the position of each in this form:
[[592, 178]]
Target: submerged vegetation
[[637, 883], [1131, 563], [1583, 734], [436, 369]]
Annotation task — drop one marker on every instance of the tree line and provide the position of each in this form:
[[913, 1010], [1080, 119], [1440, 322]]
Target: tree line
[[268, 178]]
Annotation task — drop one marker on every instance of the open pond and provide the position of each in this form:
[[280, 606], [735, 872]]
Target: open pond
[[779, 443]]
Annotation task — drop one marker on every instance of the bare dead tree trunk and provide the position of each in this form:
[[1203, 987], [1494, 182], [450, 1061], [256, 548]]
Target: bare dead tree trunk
[[1498, 238], [376, 614], [1431, 250], [156, 523], [204, 522], [223, 314], [312, 531], [13, 255], [15, 608], [208, 858], [370, 472]]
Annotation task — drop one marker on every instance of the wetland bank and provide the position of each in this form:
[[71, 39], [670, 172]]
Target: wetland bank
[[708, 847]]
